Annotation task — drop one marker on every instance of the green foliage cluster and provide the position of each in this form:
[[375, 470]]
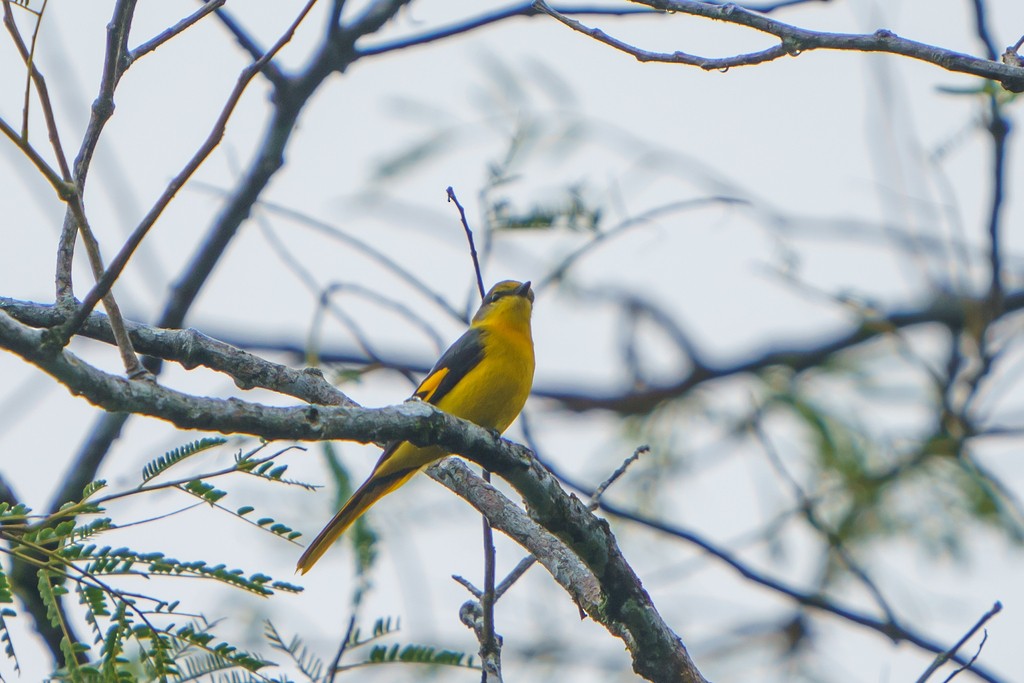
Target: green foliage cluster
[[142, 637]]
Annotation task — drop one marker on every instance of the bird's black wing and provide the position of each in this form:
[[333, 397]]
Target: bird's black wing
[[460, 358]]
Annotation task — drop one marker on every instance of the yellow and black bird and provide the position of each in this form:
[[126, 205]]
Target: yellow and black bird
[[484, 377]]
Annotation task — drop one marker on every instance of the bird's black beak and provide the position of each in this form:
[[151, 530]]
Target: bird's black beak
[[525, 291]]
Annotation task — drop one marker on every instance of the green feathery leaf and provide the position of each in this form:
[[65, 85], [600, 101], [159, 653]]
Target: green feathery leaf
[[207, 492], [92, 487], [307, 662], [418, 654], [5, 638], [6, 596], [171, 458]]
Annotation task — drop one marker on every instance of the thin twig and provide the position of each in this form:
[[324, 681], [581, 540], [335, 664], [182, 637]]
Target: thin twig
[[119, 262], [595, 500], [271, 71], [469, 236], [335, 666], [114, 66], [28, 72], [158, 40], [951, 652], [468, 585], [999, 128], [63, 188], [41, 89], [973, 659], [490, 649], [809, 513], [514, 575], [133, 368]]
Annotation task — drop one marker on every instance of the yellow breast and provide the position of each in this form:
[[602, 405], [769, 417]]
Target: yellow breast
[[494, 392]]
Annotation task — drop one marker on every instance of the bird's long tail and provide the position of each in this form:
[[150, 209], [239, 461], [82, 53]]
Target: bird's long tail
[[372, 490]]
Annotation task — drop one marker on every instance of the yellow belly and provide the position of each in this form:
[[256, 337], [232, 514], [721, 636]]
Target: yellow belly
[[495, 391], [491, 395]]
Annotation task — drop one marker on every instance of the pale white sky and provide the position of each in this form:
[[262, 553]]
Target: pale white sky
[[834, 153]]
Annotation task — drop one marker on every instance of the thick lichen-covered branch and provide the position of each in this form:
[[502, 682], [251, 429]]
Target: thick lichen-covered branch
[[625, 608]]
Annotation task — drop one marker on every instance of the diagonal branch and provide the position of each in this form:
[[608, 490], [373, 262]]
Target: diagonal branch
[[951, 312], [119, 262], [271, 71], [794, 40], [951, 652], [191, 349], [525, 9], [894, 631], [183, 25]]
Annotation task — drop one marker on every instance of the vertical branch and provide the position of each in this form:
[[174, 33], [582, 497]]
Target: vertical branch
[[132, 366], [120, 261], [28, 72], [999, 128], [332, 670], [75, 216], [114, 65], [334, 18], [41, 90], [490, 651], [981, 28]]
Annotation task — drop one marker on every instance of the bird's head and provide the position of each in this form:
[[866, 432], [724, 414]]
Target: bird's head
[[507, 299]]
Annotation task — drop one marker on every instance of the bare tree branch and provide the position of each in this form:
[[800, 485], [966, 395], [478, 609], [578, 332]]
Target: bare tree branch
[[114, 66], [271, 71], [290, 99], [526, 9], [793, 41], [119, 262], [947, 311], [894, 631], [948, 654], [41, 89], [191, 349], [626, 610], [183, 25]]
